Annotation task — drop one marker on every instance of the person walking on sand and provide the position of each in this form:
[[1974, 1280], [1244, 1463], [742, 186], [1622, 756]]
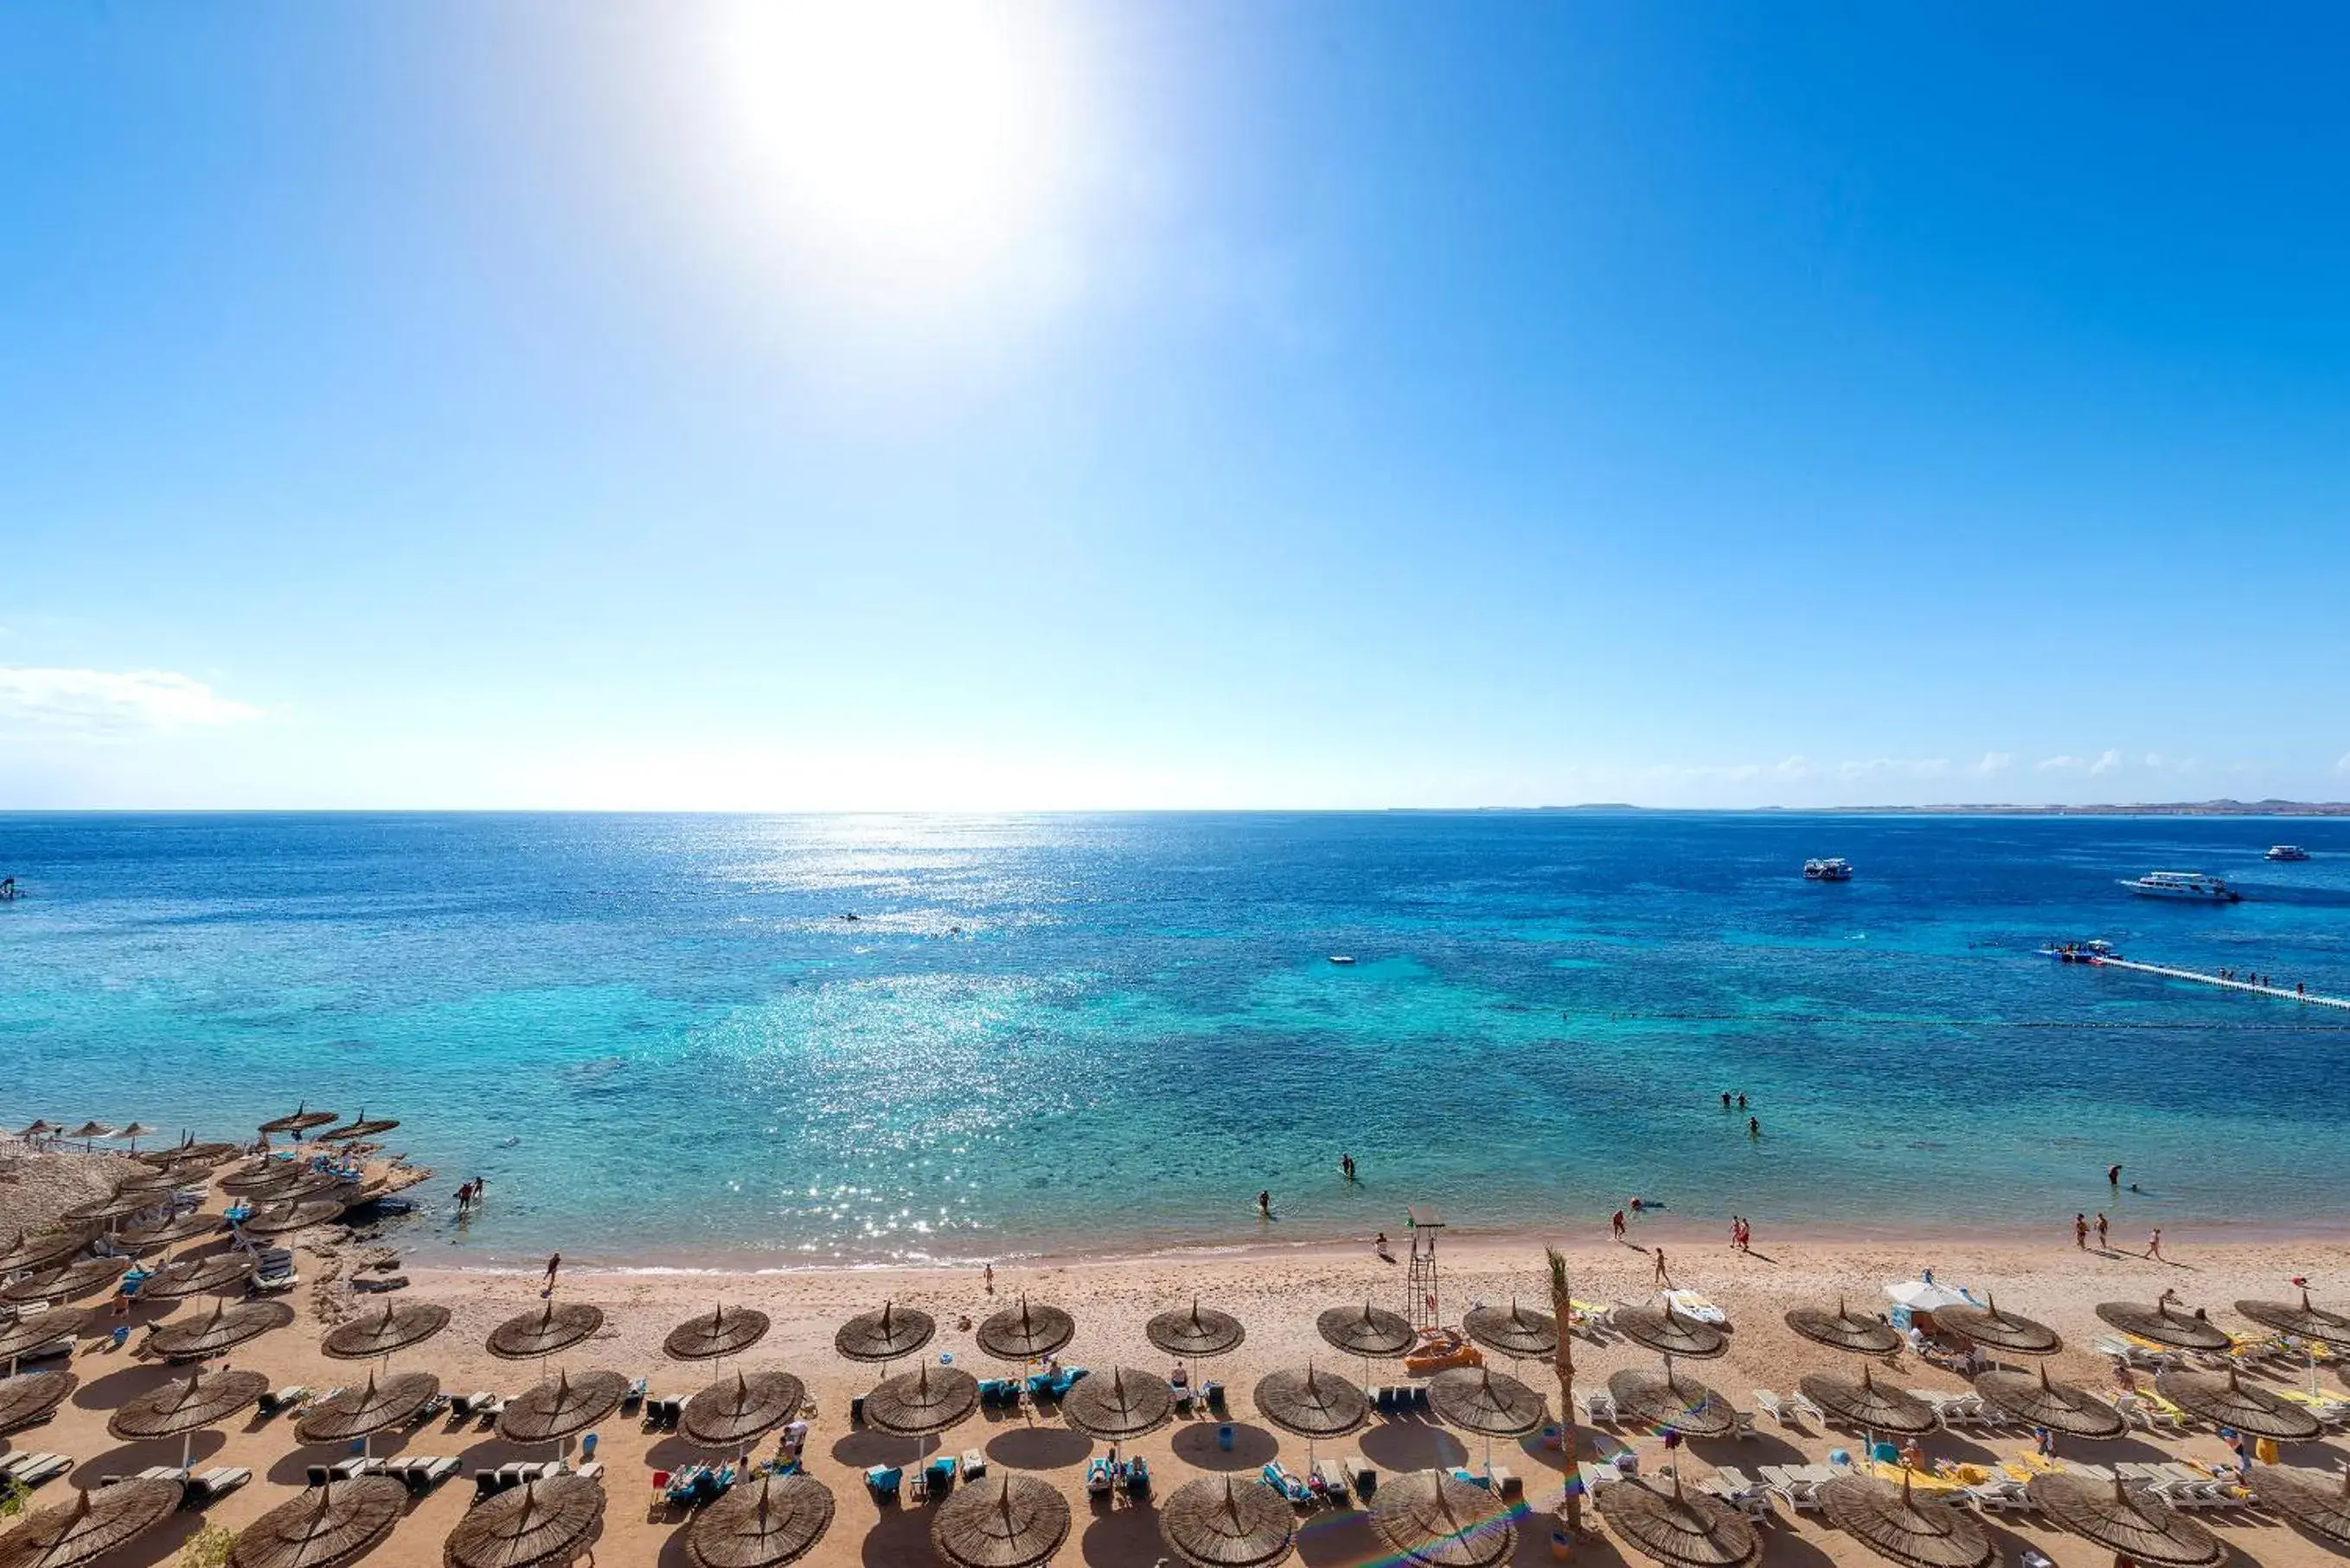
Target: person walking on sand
[[1663, 1278], [2080, 1231], [1617, 1224], [987, 1273], [554, 1261], [2154, 1246], [2102, 1244]]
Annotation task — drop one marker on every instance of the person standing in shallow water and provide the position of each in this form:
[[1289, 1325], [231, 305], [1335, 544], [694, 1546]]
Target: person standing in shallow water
[[1264, 1204], [2080, 1231]]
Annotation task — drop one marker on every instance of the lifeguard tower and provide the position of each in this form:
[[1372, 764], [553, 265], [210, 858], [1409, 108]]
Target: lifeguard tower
[[1423, 1222]]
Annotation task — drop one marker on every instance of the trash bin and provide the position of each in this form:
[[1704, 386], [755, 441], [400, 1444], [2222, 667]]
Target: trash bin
[[1224, 1437]]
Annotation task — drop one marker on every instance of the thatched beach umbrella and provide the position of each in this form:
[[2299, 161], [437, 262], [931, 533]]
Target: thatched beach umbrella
[[1027, 1332], [188, 1150], [397, 1327], [1010, 1520], [358, 1127], [1671, 1333], [41, 1127], [2133, 1523], [1869, 1405], [1519, 1333], [726, 1331], [259, 1176], [537, 1524], [301, 1119], [84, 1278], [1372, 1333], [924, 1401], [735, 1412], [182, 1410], [1309, 1403], [197, 1276], [890, 1334], [1195, 1332], [1119, 1404], [551, 1412], [118, 1205], [2319, 1503], [1890, 1521], [2224, 1400], [325, 1527], [1490, 1404], [1845, 1329], [1672, 1401], [90, 1132], [1434, 1517], [93, 1524], [31, 1331], [291, 1184], [764, 1523], [27, 1400], [2158, 1325], [2302, 1321], [1995, 1330], [40, 1249], [227, 1328], [535, 1335], [284, 1218], [158, 1183], [168, 1232], [133, 1133], [1679, 1527], [2065, 1407], [364, 1411], [1221, 1522]]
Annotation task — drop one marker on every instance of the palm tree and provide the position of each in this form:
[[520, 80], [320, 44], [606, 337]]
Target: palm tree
[[1563, 1361]]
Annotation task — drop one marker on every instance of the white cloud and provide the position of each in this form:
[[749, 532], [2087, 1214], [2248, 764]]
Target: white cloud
[[2107, 761], [2059, 764], [113, 701], [1996, 763]]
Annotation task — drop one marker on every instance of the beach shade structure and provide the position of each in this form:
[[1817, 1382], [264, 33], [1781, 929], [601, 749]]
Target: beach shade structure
[[551, 1412], [259, 1176], [133, 1133], [1433, 1517], [187, 1150], [1672, 1401], [358, 1127], [2225, 1400], [117, 1206], [2135, 1525], [284, 1218], [2063, 1408], [361, 1412], [168, 1233], [327, 1525], [535, 1335], [924, 1401], [2320, 1325], [1671, 1333], [1865, 1403], [41, 1127], [90, 1132], [156, 1182], [1372, 1333], [301, 1119], [2157, 1323], [727, 1330], [1222, 1521], [1890, 1521], [1312, 1403], [763, 1522], [890, 1334], [182, 1410], [1119, 1404], [1679, 1527], [1845, 1329], [196, 1276], [735, 1412], [1519, 1333], [1987, 1327], [222, 1331], [1488, 1403], [84, 1278], [539, 1524], [28, 1400], [2317, 1502], [376, 1334], [1027, 1332], [24, 1333], [286, 1185], [1008, 1520], [41, 1249], [93, 1524], [1194, 1332]]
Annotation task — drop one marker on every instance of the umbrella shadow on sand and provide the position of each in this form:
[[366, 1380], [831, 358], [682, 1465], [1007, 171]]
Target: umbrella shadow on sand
[[1196, 1446], [1342, 1541], [863, 1449], [1039, 1448], [1398, 1446], [898, 1536], [1121, 1535], [124, 1384]]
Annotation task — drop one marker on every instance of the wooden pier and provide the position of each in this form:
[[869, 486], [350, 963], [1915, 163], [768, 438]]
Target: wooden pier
[[2281, 992]]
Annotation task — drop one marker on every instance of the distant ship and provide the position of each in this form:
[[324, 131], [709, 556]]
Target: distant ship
[[1834, 869], [2286, 852], [2192, 885], [2079, 952], [1342, 957]]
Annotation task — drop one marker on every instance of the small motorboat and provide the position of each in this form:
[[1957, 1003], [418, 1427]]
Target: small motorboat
[[1342, 957], [1835, 868], [2286, 852]]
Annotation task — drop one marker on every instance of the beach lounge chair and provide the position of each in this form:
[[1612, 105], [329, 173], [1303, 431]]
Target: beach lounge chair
[[917, 1489], [1807, 1409], [1098, 1479], [1506, 1483], [208, 1487], [1286, 1484], [1741, 1424], [1768, 1402], [975, 1464], [634, 1399], [1213, 1393], [1733, 1487], [39, 1468], [1137, 1477], [941, 1472], [1363, 1477], [1596, 1408], [883, 1480]]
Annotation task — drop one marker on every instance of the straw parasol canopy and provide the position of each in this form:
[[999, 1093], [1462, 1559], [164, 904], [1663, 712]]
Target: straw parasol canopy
[[1011, 1521], [890, 1335], [302, 1119], [2318, 1503], [1195, 1331], [157, 1182], [1869, 1405], [1889, 1521], [168, 1232], [1669, 1333], [1490, 1404], [397, 1327], [84, 1278], [1677, 1403], [1996, 1330], [283, 1219], [28, 1398], [2323, 1325], [178, 1408], [918, 1403], [1845, 1329], [1027, 1332], [91, 1526], [2224, 1400], [1221, 1522], [536, 1525], [223, 1331], [39, 1249], [2157, 1323], [373, 1408], [120, 1206], [552, 1411], [358, 1127], [196, 1276], [735, 1412], [188, 1149], [1678, 1528], [1512, 1331], [2063, 1408], [1119, 1404], [1310, 1403], [725, 1332], [91, 1130], [136, 1131], [259, 1176], [288, 1185], [1435, 1518], [325, 1526], [21, 1333], [763, 1523], [41, 1127], [2135, 1525], [531, 1335], [1366, 1331]]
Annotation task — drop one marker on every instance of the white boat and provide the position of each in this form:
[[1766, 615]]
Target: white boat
[[1834, 870], [1342, 957], [2191, 885], [2079, 952], [2286, 852]]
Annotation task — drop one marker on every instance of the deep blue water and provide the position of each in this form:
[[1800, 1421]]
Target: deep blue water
[[656, 1036]]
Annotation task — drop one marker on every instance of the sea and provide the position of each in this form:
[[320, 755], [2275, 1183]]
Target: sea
[[757, 1042]]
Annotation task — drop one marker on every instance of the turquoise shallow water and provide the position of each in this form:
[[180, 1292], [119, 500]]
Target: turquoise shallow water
[[658, 1039]]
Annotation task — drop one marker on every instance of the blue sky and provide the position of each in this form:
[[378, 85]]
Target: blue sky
[[1174, 405]]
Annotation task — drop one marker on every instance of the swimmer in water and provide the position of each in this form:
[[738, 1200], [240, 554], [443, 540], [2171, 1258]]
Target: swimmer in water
[[1753, 1126], [1264, 1204]]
